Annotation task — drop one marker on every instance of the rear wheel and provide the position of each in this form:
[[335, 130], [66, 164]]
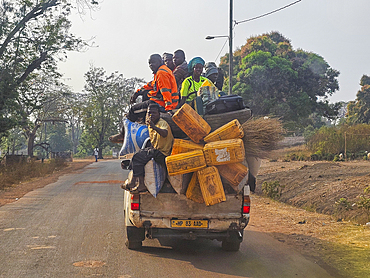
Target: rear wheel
[[230, 245], [232, 242], [135, 236], [133, 244]]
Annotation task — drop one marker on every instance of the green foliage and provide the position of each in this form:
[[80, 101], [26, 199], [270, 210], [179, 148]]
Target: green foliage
[[329, 141], [106, 102], [326, 140], [308, 132], [342, 206], [58, 138], [272, 189], [299, 156], [359, 110], [276, 80], [364, 202], [34, 36], [14, 142]]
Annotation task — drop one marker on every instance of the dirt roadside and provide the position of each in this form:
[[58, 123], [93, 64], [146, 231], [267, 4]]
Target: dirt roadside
[[343, 248], [11, 194]]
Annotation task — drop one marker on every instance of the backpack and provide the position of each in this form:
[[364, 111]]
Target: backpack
[[223, 104]]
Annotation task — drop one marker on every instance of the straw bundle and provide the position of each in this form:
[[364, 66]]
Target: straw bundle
[[261, 136]]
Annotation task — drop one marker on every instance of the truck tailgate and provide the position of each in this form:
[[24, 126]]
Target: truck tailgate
[[169, 205]]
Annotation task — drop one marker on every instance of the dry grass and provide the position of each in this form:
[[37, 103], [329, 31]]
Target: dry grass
[[19, 172], [261, 136]]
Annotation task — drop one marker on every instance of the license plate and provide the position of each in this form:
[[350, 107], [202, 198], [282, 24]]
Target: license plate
[[179, 223]]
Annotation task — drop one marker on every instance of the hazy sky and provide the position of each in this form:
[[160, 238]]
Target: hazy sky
[[127, 32]]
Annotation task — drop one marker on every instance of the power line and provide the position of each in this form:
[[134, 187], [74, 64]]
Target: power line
[[221, 50], [266, 14], [254, 18]]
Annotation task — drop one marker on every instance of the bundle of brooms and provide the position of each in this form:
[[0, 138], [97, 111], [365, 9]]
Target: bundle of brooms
[[261, 136]]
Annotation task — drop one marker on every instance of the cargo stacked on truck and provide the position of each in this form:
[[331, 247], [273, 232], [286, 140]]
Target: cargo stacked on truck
[[203, 191]]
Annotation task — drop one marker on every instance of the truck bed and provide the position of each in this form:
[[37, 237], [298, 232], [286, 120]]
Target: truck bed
[[169, 205]]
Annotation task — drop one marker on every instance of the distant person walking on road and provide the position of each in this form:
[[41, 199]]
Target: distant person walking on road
[[96, 153]]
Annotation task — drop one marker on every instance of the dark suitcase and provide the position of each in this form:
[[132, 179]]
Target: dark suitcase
[[223, 104]]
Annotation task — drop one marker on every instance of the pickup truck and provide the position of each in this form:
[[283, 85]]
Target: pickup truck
[[172, 215]]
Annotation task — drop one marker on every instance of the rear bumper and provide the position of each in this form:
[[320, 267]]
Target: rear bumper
[[214, 225], [194, 234]]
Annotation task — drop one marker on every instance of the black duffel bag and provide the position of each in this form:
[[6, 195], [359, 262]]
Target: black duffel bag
[[223, 104]]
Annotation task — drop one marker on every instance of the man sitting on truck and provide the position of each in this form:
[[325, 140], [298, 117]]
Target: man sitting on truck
[[162, 90], [161, 139], [181, 67]]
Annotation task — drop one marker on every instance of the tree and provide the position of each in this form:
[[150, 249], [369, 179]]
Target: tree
[[34, 35], [107, 99], [14, 142], [73, 114], [358, 111], [58, 138], [39, 102], [276, 80]]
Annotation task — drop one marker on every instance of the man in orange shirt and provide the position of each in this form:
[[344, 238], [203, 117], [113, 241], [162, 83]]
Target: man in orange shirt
[[162, 90]]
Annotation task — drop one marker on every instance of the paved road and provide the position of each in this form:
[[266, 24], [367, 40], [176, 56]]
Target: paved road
[[74, 228]]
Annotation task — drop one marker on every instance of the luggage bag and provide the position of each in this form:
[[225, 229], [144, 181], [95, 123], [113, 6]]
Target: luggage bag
[[225, 104]]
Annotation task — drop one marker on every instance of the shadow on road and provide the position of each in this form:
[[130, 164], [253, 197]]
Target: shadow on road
[[259, 256]]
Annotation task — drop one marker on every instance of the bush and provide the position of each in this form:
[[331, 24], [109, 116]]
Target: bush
[[330, 140], [364, 202], [342, 206], [272, 189]]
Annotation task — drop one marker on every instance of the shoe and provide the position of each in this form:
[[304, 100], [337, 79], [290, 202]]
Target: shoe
[[140, 186]]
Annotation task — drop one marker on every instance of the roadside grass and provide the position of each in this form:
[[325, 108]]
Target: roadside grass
[[342, 248], [348, 249], [21, 172]]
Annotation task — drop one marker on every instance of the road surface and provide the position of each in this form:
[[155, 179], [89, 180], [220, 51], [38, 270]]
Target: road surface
[[74, 228]]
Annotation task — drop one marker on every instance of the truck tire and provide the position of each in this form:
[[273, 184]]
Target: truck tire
[[232, 246], [232, 242], [135, 236], [132, 245]]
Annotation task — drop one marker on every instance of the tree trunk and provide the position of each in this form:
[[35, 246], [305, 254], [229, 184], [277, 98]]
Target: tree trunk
[[30, 143], [31, 135], [100, 155]]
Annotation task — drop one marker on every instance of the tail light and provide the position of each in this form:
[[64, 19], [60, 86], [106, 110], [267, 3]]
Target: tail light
[[246, 204], [135, 202]]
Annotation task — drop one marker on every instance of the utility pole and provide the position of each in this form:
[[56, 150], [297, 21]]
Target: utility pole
[[231, 48]]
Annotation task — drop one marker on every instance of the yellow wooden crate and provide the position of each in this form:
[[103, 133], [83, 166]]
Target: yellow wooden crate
[[183, 146], [231, 130], [185, 162], [191, 123], [234, 173], [193, 192], [211, 186], [224, 152]]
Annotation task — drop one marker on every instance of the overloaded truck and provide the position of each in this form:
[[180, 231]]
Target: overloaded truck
[[204, 192]]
